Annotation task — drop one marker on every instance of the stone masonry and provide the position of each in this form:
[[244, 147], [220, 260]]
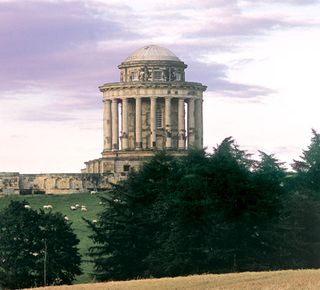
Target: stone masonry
[[152, 108]]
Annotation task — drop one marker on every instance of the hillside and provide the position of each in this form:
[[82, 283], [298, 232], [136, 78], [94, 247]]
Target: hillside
[[62, 203], [298, 279]]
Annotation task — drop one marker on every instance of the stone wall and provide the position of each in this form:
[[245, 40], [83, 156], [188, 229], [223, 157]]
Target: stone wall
[[57, 183], [9, 183]]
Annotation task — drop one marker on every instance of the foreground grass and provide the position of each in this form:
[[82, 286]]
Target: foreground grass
[[62, 203], [291, 279]]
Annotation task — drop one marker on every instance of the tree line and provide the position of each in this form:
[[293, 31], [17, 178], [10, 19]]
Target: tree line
[[211, 213], [203, 213]]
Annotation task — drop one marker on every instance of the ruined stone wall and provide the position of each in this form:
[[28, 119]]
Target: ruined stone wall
[[9, 183], [57, 183]]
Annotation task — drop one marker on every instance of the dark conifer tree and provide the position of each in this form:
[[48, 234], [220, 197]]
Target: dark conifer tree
[[36, 248], [197, 214]]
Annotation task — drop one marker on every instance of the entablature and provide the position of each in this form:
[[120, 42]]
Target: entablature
[[142, 89]]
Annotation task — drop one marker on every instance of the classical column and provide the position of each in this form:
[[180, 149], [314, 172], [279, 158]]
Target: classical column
[[107, 125], [115, 130], [153, 128], [124, 135], [191, 123], [101, 167], [168, 121], [201, 123], [198, 123], [181, 126], [138, 123]]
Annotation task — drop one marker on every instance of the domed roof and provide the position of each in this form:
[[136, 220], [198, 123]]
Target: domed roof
[[152, 52]]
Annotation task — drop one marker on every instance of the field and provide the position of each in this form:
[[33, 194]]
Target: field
[[62, 203], [299, 279]]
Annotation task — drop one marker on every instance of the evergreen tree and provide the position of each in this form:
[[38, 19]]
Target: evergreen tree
[[308, 168], [196, 214], [36, 248], [300, 224], [133, 219]]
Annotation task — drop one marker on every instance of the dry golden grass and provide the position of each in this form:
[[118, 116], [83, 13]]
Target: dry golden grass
[[298, 279]]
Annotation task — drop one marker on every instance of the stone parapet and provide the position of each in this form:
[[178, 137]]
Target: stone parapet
[[54, 183], [9, 183]]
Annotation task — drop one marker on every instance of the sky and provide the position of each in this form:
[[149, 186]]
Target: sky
[[259, 58]]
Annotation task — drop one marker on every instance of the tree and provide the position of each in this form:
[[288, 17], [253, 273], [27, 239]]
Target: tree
[[36, 248], [195, 214], [300, 217], [308, 168], [132, 220], [299, 232]]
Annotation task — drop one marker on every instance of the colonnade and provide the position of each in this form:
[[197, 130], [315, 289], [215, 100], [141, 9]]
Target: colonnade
[[187, 137]]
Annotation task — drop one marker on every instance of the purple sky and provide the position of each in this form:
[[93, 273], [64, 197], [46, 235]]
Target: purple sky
[[55, 54]]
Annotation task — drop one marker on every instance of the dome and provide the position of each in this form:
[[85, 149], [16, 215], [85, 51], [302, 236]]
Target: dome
[[152, 52]]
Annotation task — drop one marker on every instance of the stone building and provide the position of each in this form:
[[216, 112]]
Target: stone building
[[151, 108]]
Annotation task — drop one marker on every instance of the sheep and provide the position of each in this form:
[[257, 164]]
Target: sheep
[[27, 206], [48, 206], [77, 205], [66, 218], [83, 208], [93, 192], [94, 221], [72, 207]]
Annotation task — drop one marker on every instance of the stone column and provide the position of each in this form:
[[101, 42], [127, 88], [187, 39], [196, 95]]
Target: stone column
[[153, 127], [107, 125], [191, 123], [201, 142], [115, 127], [101, 167], [181, 126], [168, 122], [124, 135], [138, 123], [198, 123]]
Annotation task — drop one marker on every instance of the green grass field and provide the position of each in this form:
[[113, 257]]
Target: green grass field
[[62, 203]]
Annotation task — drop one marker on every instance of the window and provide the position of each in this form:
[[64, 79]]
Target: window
[[134, 76], [126, 168], [159, 117]]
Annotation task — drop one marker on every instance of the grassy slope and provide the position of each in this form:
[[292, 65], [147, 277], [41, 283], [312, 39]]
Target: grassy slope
[[62, 204], [299, 279]]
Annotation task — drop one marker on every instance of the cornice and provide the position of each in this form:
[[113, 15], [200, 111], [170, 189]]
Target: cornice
[[145, 85]]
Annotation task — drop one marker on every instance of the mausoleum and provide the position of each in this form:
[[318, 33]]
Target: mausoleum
[[151, 108]]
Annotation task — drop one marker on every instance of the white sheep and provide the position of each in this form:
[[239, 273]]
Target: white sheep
[[27, 206], [66, 218], [72, 207], [48, 206], [84, 209], [94, 221]]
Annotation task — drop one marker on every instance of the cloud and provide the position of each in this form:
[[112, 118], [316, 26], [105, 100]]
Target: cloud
[[72, 47], [54, 46], [292, 2], [49, 41]]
